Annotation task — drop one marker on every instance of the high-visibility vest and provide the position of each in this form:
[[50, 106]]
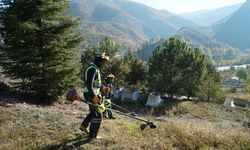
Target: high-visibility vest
[[97, 81]]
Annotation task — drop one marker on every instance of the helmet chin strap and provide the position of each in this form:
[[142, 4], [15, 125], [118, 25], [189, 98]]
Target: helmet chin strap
[[97, 63]]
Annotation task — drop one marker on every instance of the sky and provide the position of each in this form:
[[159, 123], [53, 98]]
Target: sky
[[181, 6]]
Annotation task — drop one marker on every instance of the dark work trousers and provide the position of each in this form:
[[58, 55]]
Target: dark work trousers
[[110, 115], [94, 118]]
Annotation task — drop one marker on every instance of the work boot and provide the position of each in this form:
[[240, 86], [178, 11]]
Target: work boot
[[94, 138], [105, 116], [98, 137], [112, 117], [83, 129]]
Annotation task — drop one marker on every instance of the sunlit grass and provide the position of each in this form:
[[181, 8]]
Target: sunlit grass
[[239, 95], [54, 130]]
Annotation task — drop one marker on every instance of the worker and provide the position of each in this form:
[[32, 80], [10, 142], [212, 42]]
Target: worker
[[107, 93], [92, 94]]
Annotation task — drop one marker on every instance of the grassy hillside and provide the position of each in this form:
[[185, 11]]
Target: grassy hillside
[[185, 125]]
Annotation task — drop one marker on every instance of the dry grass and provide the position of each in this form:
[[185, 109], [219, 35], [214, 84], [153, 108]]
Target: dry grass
[[171, 134], [28, 127], [22, 131], [239, 95]]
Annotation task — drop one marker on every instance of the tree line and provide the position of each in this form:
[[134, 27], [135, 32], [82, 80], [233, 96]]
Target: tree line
[[40, 51], [39, 46]]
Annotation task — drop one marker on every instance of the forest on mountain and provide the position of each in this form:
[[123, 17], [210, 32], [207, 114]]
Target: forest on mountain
[[53, 40], [125, 22], [40, 53]]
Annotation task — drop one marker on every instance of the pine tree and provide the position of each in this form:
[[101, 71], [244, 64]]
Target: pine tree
[[165, 68], [108, 46], [39, 48], [209, 88], [193, 64], [86, 57], [175, 68], [137, 74]]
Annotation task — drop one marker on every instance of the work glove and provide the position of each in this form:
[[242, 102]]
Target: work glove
[[107, 102], [100, 108], [96, 99]]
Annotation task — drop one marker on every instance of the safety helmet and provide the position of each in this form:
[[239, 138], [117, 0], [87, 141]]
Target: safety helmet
[[101, 57], [111, 76]]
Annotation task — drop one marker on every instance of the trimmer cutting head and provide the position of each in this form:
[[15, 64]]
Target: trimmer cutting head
[[150, 124]]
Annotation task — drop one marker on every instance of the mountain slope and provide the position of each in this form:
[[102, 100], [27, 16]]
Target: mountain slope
[[100, 20], [209, 17], [125, 21], [201, 37], [146, 49], [155, 23], [235, 30]]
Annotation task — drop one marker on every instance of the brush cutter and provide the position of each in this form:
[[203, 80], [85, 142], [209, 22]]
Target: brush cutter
[[142, 126], [129, 112], [133, 116]]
